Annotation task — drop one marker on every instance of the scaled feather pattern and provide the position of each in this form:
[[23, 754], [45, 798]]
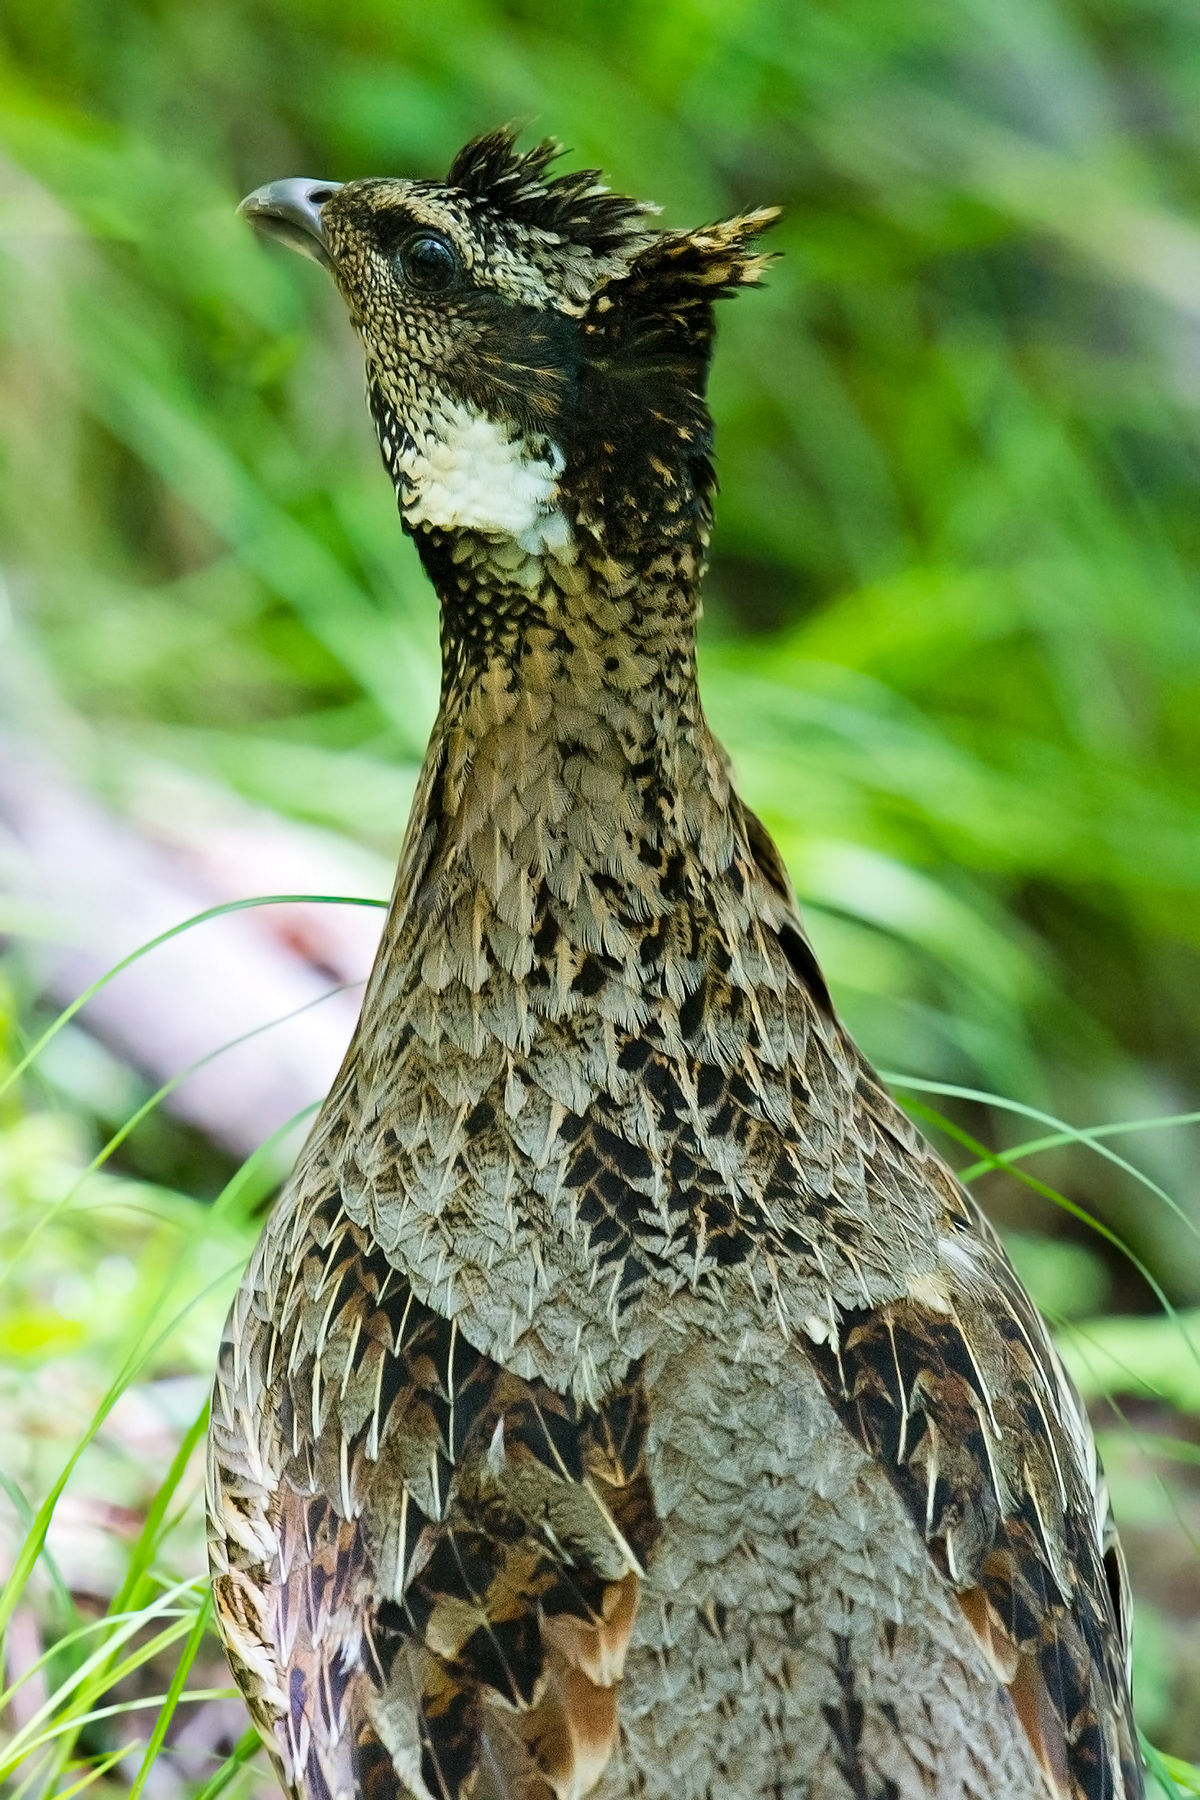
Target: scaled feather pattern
[[623, 1398]]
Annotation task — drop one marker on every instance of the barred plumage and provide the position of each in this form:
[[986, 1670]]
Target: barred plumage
[[623, 1398]]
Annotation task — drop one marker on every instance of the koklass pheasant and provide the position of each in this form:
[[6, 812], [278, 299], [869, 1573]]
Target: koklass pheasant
[[622, 1398]]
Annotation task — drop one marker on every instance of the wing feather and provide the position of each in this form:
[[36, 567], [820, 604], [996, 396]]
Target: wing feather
[[964, 1402], [457, 1559]]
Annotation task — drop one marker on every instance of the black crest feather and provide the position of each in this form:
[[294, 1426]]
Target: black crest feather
[[577, 207], [660, 309]]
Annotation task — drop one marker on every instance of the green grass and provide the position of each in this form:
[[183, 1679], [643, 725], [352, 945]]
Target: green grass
[[952, 634], [69, 1361]]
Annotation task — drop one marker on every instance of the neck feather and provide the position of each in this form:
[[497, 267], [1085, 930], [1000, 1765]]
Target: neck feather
[[570, 755], [591, 943]]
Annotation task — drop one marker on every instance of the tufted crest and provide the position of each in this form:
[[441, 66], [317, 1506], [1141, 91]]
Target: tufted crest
[[576, 208]]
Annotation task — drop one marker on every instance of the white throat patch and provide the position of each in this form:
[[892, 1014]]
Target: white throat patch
[[469, 474]]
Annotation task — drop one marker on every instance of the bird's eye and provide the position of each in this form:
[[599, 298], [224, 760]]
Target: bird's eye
[[429, 262]]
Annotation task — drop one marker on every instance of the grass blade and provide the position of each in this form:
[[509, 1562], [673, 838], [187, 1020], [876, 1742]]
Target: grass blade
[[1070, 1134], [164, 937], [31, 1549], [182, 1671], [1173, 1774], [148, 1539], [246, 1747]]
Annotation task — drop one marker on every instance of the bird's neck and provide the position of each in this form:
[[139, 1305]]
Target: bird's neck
[[571, 729], [570, 780], [583, 929], [572, 619]]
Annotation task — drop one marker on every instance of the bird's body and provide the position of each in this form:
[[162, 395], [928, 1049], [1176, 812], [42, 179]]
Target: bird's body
[[623, 1398]]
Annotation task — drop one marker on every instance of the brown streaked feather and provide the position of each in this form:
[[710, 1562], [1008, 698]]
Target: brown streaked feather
[[450, 1540], [967, 1409], [622, 1394]]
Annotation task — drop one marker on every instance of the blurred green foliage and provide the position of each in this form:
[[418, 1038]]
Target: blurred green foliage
[[954, 633], [953, 630]]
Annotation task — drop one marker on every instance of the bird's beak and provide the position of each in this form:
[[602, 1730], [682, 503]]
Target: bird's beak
[[291, 211]]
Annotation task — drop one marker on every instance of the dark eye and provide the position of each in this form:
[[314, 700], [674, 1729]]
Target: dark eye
[[427, 261]]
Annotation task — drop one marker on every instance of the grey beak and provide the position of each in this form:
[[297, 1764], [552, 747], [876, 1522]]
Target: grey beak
[[291, 211]]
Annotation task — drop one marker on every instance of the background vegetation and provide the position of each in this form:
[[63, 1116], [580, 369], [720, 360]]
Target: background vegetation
[[952, 640]]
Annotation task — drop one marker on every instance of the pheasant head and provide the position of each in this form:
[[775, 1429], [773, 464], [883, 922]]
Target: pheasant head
[[536, 357]]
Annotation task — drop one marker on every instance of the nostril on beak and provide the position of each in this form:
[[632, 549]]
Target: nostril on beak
[[291, 211]]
